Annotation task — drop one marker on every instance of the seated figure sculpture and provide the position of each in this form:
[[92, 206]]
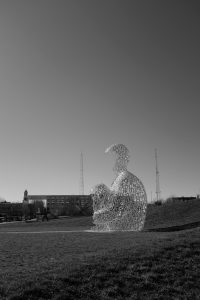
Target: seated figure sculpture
[[123, 206]]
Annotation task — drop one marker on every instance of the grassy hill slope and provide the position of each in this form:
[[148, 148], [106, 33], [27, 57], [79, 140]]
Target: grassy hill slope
[[105, 266], [172, 214], [102, 266]]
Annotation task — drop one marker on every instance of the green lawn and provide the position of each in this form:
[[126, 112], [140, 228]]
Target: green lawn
[[88, 265]]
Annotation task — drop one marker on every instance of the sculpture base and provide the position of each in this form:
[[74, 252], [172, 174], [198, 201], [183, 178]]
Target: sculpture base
[[103, 229]]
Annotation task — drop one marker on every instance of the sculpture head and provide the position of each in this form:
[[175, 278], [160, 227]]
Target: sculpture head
[[122, 157]]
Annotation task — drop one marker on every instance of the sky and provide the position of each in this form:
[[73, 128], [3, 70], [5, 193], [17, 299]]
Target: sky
[[80, 75]]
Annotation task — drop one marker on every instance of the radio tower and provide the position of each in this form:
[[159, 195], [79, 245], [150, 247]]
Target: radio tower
[[81, 187], [158, 192]]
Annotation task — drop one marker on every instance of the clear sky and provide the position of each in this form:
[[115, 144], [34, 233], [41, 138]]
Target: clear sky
[[80, 75]]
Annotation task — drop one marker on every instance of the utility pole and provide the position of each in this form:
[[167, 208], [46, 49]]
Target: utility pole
[[158, 192], [81, 187]]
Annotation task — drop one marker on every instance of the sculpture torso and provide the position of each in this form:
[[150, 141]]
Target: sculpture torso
[[126, 184]]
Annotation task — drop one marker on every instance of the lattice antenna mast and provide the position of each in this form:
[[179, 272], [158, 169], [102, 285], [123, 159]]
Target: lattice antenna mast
[[158, 192], [81, 187]]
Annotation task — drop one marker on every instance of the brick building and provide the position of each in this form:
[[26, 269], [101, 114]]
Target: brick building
[[68, 205]]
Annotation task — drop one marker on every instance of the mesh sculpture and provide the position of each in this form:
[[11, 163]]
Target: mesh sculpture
[[123, 206]]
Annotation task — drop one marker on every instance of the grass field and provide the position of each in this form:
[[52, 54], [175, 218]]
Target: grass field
[[36, 264]]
